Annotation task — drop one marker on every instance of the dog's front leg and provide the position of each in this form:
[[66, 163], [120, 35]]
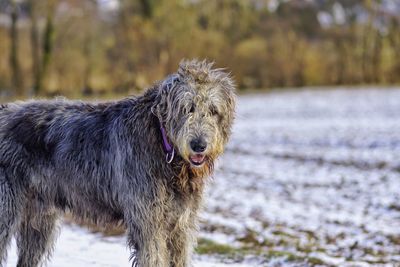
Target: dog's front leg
[[181, 246], [182, 238], [149, 242]]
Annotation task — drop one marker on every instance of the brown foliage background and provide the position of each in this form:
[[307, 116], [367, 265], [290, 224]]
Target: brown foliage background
[[76, 47]]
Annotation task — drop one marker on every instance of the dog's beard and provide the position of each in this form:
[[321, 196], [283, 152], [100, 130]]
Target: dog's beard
[[203, 171], [191, 179]]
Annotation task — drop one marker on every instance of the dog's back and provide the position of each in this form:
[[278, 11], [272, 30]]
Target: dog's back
[[59, 152]]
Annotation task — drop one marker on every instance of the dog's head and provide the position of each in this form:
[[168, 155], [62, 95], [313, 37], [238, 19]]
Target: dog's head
[[196, 106]]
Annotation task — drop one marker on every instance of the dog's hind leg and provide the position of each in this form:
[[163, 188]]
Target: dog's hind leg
[[8, 215], [36, 234]]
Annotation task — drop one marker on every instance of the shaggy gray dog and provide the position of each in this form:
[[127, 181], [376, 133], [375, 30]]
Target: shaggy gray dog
[[141, 161]]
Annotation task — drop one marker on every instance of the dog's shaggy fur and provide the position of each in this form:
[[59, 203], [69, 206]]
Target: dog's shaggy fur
[[105, 163]]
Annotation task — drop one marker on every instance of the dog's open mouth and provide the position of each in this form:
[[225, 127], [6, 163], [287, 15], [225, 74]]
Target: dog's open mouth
[[197, 159]]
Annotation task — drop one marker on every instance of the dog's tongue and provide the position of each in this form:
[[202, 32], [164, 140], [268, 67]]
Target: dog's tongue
[[197, 158]]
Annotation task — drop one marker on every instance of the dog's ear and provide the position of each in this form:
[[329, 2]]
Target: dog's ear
[[169, 83], [164, 88]]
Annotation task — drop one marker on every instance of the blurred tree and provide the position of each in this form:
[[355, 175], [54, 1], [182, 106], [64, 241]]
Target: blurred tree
[[16, 83], [372, 44], [35, 46], [47, 49], [88, 46], [41, 54], [147, 8], [394, 41], [250, 58]]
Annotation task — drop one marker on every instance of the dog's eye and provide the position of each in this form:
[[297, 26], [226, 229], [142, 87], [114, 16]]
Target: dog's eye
[[213, 111], [192, 108]]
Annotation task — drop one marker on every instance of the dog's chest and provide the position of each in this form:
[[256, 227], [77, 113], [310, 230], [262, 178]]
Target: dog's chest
[[181, 213]]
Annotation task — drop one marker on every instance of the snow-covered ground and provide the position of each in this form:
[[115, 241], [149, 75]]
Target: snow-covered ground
[[77, 247], [309, 178], [314, 173]]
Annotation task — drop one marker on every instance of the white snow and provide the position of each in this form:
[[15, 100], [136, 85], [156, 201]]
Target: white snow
[[325, 162]]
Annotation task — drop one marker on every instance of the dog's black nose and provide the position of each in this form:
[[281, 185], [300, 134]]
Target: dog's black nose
[[198, 145]]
